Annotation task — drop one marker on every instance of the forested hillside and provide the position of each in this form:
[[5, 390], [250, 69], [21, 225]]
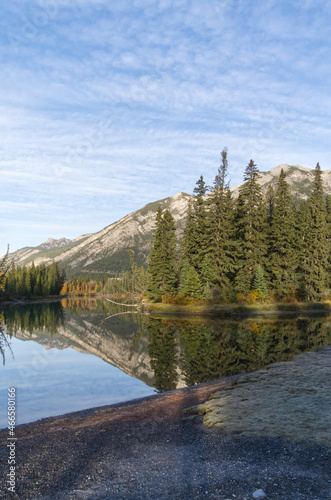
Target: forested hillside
[[258, 247]]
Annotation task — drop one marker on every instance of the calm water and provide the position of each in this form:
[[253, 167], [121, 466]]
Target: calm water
[[76, 354]]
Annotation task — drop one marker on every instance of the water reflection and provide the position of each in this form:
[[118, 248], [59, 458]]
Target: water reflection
[[202, 351], [38, 316], [165, 353]]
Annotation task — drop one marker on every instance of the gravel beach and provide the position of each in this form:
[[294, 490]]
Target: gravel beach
[[157, 448]]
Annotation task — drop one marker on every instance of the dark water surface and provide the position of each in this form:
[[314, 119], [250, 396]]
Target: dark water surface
[[75, 354]]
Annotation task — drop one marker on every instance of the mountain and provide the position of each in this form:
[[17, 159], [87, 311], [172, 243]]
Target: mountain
[[107, 250], [51, 244], [45, 252], [299, 180]]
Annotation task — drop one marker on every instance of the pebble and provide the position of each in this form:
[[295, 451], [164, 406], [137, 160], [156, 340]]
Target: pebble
[[259, 494]]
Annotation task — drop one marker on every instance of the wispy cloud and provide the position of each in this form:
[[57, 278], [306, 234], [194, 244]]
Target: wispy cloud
[[106, 106]]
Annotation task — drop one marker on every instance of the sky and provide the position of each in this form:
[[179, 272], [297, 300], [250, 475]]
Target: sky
[[109, 105]]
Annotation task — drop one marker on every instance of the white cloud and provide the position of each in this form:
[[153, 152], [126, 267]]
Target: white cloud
[[140, 97]]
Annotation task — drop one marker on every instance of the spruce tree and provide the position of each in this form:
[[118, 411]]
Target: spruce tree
[[328, 224], [221, 232], [187, 241], [183, 275], [155, 264], [260, 285], [169, 254], [314, 270], [4, 267], [208, 275], [270, 203], [282, 238], [192, 284], [303, 224], [162, 259], [195, 236], [250, 230]]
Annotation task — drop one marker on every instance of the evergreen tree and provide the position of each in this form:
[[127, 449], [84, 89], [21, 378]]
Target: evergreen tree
[[192, 284], [162, 258], [207, 293], [270, 204], [187, 241], [27, 284], [183, 276], [303, 224], [314, 261], [208, 275], [282, 238], [220, 244], [139, 275], [4, 267], [195, 236], [32, 273], [260, 285], [328, 223], [250, 230]]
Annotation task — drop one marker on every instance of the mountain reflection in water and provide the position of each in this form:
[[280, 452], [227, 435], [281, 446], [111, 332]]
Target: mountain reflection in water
[[164, 353]]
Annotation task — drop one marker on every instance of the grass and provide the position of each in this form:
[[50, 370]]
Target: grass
[[225, 309], [290, 400]]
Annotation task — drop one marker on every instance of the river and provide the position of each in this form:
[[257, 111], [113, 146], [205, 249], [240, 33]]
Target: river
[[73, 354]]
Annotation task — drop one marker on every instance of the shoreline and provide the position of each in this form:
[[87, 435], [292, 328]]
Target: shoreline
[[216, 310], [155, 448], [232, 310], [125, 409]]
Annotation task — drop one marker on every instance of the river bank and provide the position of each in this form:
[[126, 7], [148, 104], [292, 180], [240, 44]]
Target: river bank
[[195, 309], [239, 310], [157, 448]]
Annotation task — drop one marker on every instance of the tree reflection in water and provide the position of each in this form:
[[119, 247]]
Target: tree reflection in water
[[169, 352], [202, 351]]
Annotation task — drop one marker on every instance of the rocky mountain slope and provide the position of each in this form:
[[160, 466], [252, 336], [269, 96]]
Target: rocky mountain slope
[[299, 179], [107, 250], [45, 252]]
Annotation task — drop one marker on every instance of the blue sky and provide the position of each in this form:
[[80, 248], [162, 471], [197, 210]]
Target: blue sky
[[106, 106]]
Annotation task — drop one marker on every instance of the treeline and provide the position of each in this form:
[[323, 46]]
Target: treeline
[[35, 281], [254, 248], [133, 281], [81, 285]]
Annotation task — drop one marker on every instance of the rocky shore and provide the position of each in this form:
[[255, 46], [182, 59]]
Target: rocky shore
[[158, 448]]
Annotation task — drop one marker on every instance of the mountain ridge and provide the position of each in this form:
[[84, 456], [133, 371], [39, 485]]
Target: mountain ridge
[[107, 250]]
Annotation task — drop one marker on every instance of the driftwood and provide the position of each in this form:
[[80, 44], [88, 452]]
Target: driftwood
[[119, 304]]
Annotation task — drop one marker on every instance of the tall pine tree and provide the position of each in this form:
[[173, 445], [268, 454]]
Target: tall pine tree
[[220, 244], [282, 238], [162, 259], [328, 223], [251, 230], [195, 236], [314, 254]]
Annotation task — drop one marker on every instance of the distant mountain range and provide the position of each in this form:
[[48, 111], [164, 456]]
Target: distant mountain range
[[107, 250]]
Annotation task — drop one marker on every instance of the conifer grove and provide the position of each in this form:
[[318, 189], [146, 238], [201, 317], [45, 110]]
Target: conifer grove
[[35, 281], [258, 247]]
